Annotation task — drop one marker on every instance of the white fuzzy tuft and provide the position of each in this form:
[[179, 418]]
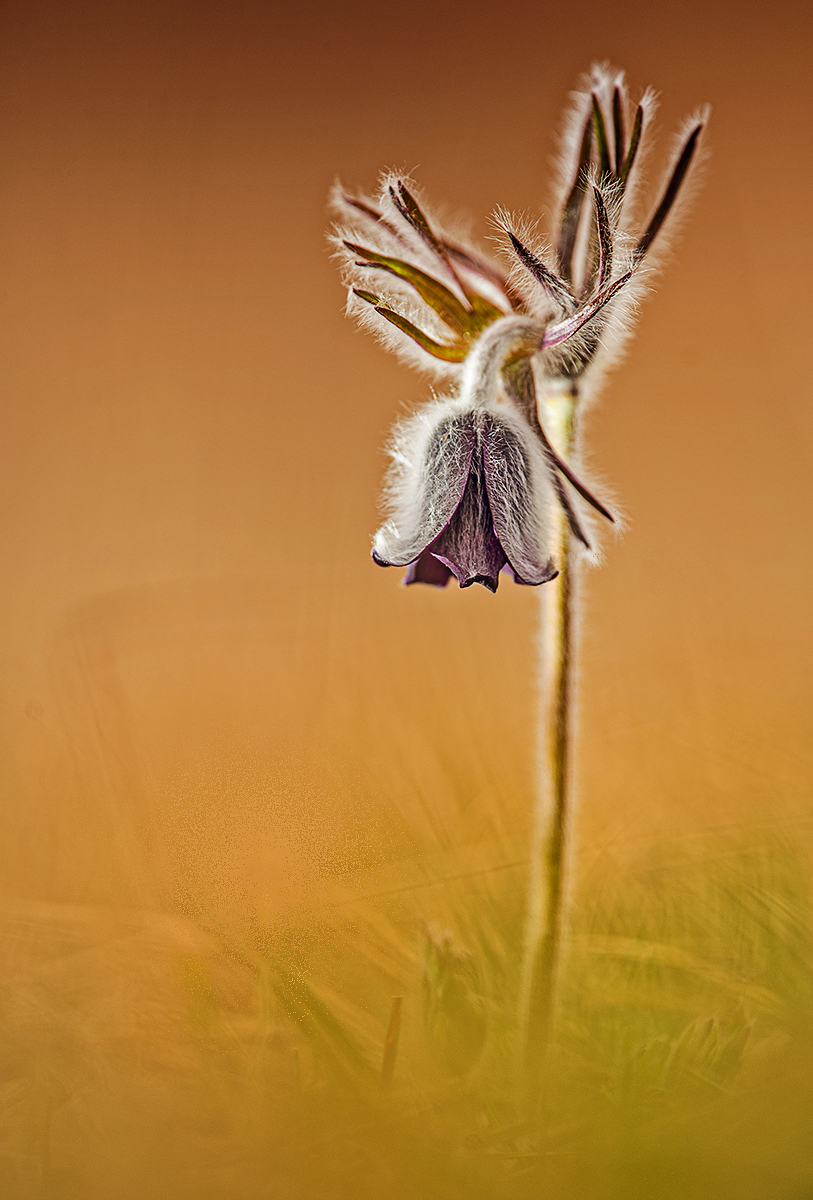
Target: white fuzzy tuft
[[406, 483]]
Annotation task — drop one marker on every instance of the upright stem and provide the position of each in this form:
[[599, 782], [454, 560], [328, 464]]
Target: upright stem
[[545, 916]]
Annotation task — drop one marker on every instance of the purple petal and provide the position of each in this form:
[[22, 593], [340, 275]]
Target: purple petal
[[509, 570], [444, 471], [468, 546], [508, 484], [428, 569]]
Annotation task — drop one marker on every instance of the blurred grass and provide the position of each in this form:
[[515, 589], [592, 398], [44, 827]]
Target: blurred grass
[[142, 1055]]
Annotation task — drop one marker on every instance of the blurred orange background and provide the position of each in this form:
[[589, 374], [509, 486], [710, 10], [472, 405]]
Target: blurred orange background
[[212, 701]]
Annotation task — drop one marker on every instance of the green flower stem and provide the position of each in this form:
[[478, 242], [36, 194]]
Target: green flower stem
[[545, 915]]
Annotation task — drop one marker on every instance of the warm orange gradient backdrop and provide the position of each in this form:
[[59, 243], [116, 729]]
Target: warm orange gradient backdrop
[[211, 699]]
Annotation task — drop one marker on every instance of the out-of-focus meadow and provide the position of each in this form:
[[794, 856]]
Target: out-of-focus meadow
[[252, 789]]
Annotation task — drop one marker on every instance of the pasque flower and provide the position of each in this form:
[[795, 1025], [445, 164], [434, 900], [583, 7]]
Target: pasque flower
[[474, 504], [474, 475], [468, 497]]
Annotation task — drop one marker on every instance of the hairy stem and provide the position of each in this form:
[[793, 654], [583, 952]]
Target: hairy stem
[[545, 915]]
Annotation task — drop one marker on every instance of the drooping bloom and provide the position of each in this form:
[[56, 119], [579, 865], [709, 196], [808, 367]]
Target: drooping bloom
[[469, 484], [474, 476], [472, 503]]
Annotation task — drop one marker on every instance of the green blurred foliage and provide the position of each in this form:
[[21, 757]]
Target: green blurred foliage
[[160, 1061]]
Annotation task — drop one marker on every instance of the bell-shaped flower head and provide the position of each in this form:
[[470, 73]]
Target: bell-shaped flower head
[[469, 486], [468, 495]]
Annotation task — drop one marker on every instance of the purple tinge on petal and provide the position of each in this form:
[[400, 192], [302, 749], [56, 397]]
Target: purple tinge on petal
[[508, 484], [428, 569], [477, 511], [468, 545], [440, 479], [509, 570]]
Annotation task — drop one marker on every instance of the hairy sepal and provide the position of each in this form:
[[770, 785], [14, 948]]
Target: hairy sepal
[[426, 479], [431, 455]]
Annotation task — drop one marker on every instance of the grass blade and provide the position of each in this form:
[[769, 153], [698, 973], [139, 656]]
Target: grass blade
[[391, 1043]]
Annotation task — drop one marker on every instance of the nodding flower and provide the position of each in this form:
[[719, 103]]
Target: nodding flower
[[469, 485], [473, 475]]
